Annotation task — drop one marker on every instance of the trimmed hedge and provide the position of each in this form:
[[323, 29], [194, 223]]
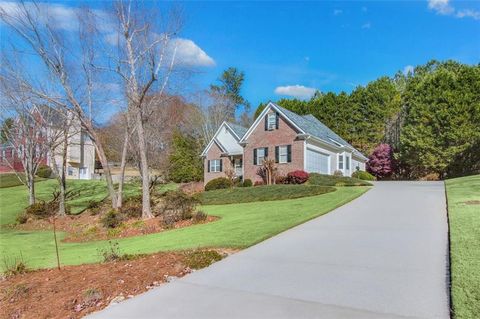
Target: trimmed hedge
[[330, 180], [366, 176], [218, 183]]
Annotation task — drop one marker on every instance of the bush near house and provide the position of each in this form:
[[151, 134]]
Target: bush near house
[[44, 171], [330, 180], [381, 163], [297, 177], [366, 176], [247, 183], [218, 183]]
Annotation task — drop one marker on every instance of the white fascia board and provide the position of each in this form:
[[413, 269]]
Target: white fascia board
[[204, 153], [269, 106], [231, 130]]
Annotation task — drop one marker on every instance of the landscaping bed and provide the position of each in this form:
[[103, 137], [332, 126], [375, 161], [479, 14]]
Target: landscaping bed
[[261, 193], [85, 227], [75, 291], [464, 218]]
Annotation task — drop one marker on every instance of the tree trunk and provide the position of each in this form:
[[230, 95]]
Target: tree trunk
[[123, 164], [62, 178], [146, 209], [31, 188]]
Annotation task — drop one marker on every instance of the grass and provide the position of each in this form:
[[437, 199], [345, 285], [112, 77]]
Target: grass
[[464, 216], [239, 226], [11, 180], [330, 180], [261, 193]]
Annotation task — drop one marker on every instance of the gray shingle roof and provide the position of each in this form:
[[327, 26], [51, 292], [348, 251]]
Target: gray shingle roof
[[238, 129], [312, 126]]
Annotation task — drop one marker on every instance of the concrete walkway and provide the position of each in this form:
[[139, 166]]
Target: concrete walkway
[[384, 255]]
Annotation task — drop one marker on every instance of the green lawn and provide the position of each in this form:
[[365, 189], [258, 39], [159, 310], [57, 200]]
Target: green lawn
[[261, 193], [240, 225], [11, 179], [464, 216], [330, 180]]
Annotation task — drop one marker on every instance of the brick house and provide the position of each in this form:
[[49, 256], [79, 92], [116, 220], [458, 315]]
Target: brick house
[[295, 142]]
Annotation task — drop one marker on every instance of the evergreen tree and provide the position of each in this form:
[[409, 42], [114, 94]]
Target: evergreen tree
[[185, 161]]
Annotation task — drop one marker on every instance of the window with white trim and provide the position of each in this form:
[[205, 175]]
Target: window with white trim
[[215, 166], [272, 121], [260, 155], [347, 163], [340, 161], [283, 154]]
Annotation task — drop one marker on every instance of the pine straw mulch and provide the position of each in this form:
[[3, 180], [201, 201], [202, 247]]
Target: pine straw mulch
[[87, 227], [75, 291]]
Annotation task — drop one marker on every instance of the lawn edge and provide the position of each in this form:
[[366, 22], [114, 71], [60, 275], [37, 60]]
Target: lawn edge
[[449, 245]]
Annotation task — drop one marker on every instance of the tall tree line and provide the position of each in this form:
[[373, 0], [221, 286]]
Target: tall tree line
[[431, 117]]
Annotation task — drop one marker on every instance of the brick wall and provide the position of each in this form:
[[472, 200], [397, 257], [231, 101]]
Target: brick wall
[[214, 153], [284, 135]]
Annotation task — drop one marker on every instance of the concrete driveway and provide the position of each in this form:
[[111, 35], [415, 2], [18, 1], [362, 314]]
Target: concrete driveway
[[384, 255]]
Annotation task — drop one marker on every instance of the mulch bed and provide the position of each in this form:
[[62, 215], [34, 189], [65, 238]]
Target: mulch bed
[[87, 227], [75, 291]]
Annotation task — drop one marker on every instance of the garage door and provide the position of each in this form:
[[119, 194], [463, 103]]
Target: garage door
[[317, 162]]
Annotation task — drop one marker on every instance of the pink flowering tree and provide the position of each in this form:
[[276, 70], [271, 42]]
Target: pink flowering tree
[[381, 163]]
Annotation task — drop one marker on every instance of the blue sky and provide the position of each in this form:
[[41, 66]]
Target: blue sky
[[290, 49]]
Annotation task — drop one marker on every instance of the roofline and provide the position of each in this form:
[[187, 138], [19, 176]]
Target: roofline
[[233, 131], [260, 117], [343, 147]]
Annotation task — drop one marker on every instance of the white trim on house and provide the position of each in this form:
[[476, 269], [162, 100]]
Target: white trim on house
[[223, 148], [269, 106]]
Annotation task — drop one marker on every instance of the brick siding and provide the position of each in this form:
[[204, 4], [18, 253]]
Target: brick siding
[[215, 153]]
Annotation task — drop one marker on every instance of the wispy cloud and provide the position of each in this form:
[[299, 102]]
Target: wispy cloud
[[298, 91], [366, 25], [444, 7]]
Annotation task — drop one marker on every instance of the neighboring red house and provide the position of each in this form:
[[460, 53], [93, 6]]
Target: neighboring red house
[[295, 142]]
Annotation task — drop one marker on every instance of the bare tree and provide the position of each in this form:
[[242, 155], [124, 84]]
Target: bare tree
[[146, 60], [69, 61], [25, 137]]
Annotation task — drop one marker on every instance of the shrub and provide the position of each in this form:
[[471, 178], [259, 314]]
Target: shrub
[[330, 180], [44, 171], [366, 176], [297, 177], [131, 210], [111, 219], [430, 177], [338, 173], [247, 183], [259, 183], [281, 180], [39, 210], [22, 218], [177, 206], [201, 258], [218, 183], [200, 216], [381, 163]]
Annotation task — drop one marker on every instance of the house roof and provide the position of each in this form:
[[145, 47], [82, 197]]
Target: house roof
[[238, 129]]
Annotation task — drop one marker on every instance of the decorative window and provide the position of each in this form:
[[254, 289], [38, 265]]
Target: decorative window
[[4, 155], [215, 166], [272, 121], [260, 155], [283, 154], [340, 161], [347, 162]]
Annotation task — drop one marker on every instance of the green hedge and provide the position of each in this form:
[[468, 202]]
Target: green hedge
[[330, 180]]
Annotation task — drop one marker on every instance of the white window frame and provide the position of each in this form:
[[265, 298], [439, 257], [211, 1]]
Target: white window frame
[[271, 121], [281, 149], [215, 166], [262, 149], [341, 160], [347, 162]]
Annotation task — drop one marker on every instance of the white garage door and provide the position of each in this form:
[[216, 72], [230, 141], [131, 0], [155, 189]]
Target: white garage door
[[317, 162]]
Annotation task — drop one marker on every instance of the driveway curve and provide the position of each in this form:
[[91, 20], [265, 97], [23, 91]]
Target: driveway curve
[[383, 255]]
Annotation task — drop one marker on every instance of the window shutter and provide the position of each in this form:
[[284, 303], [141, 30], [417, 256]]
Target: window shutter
[[289, 153], [266, 152], [221, 162], [266, 122], [208, 166], [277, 148], [276, 120], [254, 156]]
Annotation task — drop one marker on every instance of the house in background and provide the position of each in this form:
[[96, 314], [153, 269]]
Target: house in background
[[80, 150], [296, 142]]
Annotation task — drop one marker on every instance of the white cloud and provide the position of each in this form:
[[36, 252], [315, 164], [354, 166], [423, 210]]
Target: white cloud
[[188, 53], [367, 25], [408, 69], [298, 91], [337, 12], [444, 7]]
